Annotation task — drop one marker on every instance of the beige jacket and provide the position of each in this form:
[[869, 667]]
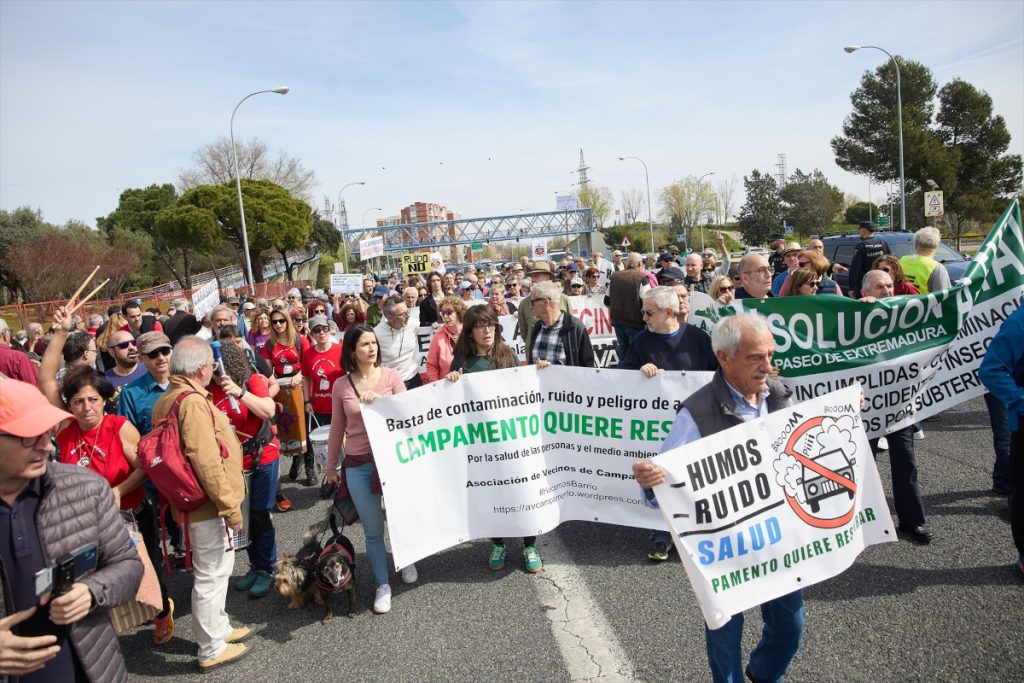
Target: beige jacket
[[220, 477]]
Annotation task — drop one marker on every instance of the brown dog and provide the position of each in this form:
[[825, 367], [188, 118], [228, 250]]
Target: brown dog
[[319, 573]]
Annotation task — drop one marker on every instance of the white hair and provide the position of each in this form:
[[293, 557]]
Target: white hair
[[728, 332], [634, 260], [180, 304], [190, 355], [870, 277], [548, 290], [927, 239], [663, 297]]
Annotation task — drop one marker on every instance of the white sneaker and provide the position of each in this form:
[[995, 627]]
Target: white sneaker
[[382, 601], [919, 435], [883, 444], [409, 574]]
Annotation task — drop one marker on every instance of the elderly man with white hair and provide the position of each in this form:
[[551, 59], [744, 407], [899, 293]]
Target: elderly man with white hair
[[921, 268], [181, 323], [742, 390]]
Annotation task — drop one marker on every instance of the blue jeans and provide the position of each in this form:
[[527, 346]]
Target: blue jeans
[[368, 506], [262, 549], [999, 420], [780, 640], [624, 337]]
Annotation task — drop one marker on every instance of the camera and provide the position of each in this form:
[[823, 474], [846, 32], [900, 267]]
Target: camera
[[69, 567]]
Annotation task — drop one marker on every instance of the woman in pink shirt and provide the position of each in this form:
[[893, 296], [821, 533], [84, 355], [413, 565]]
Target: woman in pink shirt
[[365, 380], [451, 310]]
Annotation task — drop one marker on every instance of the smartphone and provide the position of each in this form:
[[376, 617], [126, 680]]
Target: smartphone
[[72, 566]]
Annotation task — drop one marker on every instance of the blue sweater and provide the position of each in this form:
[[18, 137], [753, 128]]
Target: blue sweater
[[688, 348], [1002, 369]]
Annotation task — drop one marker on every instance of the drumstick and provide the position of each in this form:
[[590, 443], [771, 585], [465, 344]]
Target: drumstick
[[89, 296], [87, 280]]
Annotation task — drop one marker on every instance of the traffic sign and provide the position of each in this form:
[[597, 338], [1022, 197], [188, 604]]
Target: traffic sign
[[933, 204], [626, 242], [788, 229], [883, 221], [477, 246]]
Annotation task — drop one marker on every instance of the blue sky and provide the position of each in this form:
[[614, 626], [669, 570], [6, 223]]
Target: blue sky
[[482, 106]]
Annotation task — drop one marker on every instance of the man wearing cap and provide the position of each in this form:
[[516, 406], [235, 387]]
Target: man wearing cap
[[864, 254], [47, 510], [695, 280], [139, 396], [791, 257], [666, 260], [209, 442], [182, 322], [671, 276], [623, 299], [375, 311], [14, 364], [541, 272]]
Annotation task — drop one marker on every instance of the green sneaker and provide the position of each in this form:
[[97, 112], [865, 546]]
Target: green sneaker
[[246, 582], [532, 557], [262, 584], [497, 561]]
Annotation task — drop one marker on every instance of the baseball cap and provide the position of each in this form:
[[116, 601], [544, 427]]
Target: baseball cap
[[249, 306], [318, 320], [25, 412], [576, 281], [571, 268], [151, 341], [381, 290], [672, 273], [665, 256], [466, 285], [231, 300]]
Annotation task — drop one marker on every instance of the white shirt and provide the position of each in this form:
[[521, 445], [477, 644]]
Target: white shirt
[[398, 348]]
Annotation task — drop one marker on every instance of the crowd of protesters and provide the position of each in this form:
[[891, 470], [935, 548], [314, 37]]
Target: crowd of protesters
[[311, 360]]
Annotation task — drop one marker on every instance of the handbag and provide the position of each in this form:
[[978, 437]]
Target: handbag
[[147, 601]]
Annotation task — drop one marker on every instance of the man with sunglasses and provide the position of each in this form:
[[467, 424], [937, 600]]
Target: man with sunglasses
[[124, 349], [398, 344], [140, 395]]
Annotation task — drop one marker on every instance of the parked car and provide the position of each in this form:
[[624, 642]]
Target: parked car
[[839, 249]]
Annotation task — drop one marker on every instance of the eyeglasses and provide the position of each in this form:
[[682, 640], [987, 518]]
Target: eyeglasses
[[727, 289], [124, 345], [320, 329], [483, 326], [763, 270], [156, 353], [278, 321], [320, 311], [708, 270], [298, 321], [536, 301], [646, 313], [574, 286], [399, 315], [31, 441]]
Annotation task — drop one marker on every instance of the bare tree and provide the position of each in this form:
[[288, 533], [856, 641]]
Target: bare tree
[[727, 197], [632, 204], [213, 164]]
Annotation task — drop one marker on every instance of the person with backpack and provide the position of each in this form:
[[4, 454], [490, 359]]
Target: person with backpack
[[285, 349], [195, 452], [244, 396]]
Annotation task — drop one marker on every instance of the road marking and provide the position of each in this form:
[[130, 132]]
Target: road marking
[[585, 638]]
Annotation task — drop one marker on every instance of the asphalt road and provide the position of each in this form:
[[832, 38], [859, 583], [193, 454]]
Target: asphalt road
[[600, 610]]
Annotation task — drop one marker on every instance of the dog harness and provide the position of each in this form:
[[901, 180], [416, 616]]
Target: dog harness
[[345, 554]]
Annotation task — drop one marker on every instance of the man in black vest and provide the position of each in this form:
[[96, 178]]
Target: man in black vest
[[864, 254], [740, 391]]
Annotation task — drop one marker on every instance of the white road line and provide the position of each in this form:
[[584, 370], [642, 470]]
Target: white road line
[[585, 638]]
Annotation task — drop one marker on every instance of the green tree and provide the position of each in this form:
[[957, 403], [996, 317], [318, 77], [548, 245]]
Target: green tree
[[686, 203], [761, 214], [811, 202], [860, 211], [598, 200], [639, 234]]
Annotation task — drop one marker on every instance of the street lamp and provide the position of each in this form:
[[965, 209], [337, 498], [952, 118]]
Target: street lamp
[[238, 184], [650, 219], [344, 243], [899, 112], [363, 221], [699, 181]]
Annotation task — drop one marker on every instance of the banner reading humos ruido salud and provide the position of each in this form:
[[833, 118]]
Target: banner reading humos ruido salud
[[773, 505], [516, 452]]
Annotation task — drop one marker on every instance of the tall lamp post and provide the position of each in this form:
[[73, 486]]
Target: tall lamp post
[[647, 178], [899, 112], [344, 243], [238, 184], [363, 221], [699, 181]]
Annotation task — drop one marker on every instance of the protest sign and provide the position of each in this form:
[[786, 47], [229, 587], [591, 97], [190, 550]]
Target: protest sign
[[774, 505], [371, 247], [416, 263], [437, 262], [539, 249], [346, 284], [516, 452], [205, 299]]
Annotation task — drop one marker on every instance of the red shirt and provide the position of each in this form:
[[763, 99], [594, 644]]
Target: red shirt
[[285, 359], [245, 423], [100, 450], [323, 369]]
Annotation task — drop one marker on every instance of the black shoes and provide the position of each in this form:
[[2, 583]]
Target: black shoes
[[920, 534], [659, 551], [293, 473], [311, 478]]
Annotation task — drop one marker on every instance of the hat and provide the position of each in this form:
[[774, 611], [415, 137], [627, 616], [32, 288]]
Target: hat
[[322, 296], [151, 341], [576, 282], [791, 247], [541, 267], [248, 306], [571, 268], [674, 249], [466, 284], [25, 412], [381, 290], [671, 273], [867, 225], [517, 266], [231, 300], [665, 256], [318, 320]]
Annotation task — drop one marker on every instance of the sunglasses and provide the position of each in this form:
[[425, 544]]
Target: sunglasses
[[278, 321], [647, 314], [726, 289], [298, 321], [320, 329], [125, 344], [156, 353]]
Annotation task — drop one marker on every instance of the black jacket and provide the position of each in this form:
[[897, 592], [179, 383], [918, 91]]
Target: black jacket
[[864, 255], [575, 342], [179, 325], [713, 409]]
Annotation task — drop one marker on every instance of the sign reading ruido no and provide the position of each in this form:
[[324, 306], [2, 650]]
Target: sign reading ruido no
[[774, 505], [416, 264]]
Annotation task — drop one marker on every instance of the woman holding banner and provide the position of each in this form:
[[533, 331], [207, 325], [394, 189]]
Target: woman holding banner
[[365, 381], [284, 349], [480, 348], [442, 345]]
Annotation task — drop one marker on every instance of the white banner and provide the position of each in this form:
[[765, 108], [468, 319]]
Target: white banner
[[371, 247], [205, 299], [437, 262], [346, 284], [774, 505], [517, 452]]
